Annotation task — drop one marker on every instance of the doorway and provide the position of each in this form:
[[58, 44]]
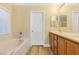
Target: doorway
[[75, 21], [37, 28]]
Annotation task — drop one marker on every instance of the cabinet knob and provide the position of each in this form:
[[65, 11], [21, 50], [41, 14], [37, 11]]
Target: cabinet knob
[[32, 31]]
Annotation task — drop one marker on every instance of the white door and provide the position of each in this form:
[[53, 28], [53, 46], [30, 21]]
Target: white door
[[75, 21], [36, 23]]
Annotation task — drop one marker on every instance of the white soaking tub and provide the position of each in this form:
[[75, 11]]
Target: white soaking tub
[[21, 49], [11, 46]]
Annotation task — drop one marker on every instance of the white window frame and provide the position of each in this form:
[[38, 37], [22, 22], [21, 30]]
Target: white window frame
[[9, 21]]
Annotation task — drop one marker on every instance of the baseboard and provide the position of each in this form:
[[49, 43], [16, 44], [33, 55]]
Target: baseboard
[[46, 45]]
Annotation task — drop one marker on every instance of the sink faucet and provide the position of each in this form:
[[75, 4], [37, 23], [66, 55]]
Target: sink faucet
[[59, 29]]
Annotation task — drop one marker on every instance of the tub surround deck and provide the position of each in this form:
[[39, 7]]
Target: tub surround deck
[[10, 44]]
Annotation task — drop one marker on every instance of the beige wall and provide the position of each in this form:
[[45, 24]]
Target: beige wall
[[21, 16], [6, 6], [68, 9], [19, 21]]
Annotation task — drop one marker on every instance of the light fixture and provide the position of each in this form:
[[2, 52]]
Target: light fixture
[[61, 6]]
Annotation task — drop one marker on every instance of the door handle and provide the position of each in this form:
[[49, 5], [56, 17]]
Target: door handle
[[32, 31]]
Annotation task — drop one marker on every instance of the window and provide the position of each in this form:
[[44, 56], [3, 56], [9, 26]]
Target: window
[[4, 21]]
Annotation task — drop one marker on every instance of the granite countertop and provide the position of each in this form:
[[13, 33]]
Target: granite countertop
[[71, 36]]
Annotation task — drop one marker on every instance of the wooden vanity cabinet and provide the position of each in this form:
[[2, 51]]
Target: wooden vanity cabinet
[[53, 42], [61, 46], [72, 48], [77, 49]]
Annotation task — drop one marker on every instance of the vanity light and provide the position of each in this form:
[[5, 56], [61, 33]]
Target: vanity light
[[61, 6]]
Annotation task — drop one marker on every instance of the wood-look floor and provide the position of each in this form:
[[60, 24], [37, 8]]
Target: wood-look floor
[[39, 50]]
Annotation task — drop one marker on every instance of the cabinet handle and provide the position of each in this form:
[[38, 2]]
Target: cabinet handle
[[32, 31]]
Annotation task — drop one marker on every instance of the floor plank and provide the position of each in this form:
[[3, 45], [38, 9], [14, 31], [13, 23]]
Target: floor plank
[[39, 50]]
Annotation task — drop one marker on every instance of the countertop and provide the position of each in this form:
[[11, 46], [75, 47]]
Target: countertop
[[71, 36]]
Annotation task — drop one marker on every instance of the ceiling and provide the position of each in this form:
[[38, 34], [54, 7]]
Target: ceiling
[[59, 4]]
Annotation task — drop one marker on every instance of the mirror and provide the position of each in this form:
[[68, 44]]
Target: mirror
[[62, 20], [53, 21], [58, 20]]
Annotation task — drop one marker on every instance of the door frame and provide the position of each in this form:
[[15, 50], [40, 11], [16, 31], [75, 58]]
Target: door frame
[[42, 28], [74, 12]]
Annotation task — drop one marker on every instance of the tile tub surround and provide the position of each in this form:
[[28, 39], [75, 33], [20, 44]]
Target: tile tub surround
[[71, 36]]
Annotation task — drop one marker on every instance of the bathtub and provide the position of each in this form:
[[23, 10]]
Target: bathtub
[[22, 48], [13, 46]]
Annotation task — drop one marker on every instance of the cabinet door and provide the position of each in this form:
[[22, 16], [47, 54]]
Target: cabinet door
[[71, 47], [55, 44], [51, 40], [77, 49], [61, 46]]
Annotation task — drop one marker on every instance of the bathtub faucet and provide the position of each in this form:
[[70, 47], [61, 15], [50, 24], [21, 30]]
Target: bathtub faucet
[[20, 36]]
